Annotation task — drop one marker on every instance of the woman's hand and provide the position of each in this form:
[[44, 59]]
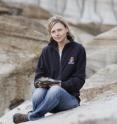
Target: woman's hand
[[39, 85], [46, 83], [36, 85], [55, 84]]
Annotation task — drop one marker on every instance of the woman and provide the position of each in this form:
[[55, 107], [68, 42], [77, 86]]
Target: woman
[[62, 59]]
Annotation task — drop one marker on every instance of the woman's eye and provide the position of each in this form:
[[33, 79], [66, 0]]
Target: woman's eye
[[52, 32]]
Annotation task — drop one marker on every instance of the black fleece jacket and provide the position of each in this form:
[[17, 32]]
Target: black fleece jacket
[[70, 69]]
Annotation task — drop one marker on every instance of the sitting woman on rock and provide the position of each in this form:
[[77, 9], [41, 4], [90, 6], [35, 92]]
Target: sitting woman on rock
[[62, 59]]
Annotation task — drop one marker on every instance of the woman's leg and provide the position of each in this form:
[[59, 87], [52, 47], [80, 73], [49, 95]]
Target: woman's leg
[[37, 97], [55, 97], [67, 101]]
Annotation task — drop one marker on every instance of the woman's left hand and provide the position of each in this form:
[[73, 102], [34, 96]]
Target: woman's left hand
[[55, 85]]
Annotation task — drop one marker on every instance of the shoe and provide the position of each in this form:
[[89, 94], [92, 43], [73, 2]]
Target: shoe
[[19, 118]]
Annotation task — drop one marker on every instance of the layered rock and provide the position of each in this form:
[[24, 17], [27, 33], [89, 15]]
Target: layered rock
[[85, 11], [21, 40], [88, 14], [104, 80], [93, 112], [29, 10], [101, 51]]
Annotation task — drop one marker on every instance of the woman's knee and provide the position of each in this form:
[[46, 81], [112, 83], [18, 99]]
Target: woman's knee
[[55, 89], [39, 93]]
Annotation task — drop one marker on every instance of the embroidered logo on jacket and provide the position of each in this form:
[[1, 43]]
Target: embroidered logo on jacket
[[71, 60]]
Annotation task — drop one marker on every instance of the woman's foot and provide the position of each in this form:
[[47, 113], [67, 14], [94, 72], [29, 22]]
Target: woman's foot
[[19, 118]]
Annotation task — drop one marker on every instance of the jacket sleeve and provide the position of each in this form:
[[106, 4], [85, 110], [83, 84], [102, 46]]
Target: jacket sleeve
[[41, 66], [77, 79]]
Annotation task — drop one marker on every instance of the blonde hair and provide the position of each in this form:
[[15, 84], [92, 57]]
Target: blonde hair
[[59, 19]]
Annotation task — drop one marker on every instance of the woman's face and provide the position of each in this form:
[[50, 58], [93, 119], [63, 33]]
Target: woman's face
[[59, 32]]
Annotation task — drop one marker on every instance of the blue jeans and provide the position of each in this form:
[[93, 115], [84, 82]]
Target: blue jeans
[[54, 99]]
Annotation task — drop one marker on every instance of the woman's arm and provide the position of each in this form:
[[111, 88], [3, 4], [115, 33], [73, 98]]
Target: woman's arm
[[77, 79], [41, 67]]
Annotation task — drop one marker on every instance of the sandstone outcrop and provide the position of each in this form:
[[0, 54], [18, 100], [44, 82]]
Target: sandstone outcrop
[[30, 10], [104, 80], [89, 15], [96, 111], [21, 40], [101, 51], [94, 16]]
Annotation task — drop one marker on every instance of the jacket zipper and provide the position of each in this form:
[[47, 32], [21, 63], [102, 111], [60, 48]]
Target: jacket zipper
[[59, 65]]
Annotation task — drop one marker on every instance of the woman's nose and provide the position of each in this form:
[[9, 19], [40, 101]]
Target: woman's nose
[[56, 33]]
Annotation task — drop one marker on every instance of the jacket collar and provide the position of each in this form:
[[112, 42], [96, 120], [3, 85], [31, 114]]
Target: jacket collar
[[54, 44]]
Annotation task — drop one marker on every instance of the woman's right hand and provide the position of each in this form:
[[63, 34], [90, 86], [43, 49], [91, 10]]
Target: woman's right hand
[[36, 85]]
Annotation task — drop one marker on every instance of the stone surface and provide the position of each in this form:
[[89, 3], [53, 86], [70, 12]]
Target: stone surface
[[85, 11], [102, 81], [18, 26], [101, 51], [27, 10], [21, 41], [98, 108], [88, 14]]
